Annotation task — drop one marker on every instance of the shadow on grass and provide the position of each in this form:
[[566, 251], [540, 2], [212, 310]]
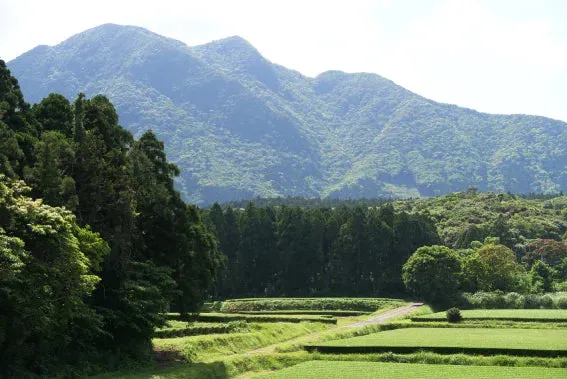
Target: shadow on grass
[[214, 370]]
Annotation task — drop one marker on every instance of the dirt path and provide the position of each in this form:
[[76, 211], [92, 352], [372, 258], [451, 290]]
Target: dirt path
[[374, 320], [385, 316]]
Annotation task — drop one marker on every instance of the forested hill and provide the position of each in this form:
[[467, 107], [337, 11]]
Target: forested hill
[[240, 126]]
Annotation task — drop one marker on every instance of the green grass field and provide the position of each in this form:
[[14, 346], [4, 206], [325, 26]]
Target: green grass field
[[539, 315], [536, 342], [372, 370]]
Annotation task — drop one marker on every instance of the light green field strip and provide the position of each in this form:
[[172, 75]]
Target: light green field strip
[[502, 314], [372, 370], [490, 338]]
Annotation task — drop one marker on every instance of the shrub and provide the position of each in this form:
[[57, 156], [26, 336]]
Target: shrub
[[546, 302], [561, 302], [454, 315], [532, 301], [514, 300]]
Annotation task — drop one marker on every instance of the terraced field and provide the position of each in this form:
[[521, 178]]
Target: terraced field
[[373, 370], [490, 341], [537, 315]]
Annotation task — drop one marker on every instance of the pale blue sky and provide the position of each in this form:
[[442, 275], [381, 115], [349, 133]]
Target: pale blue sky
[[497, 56]]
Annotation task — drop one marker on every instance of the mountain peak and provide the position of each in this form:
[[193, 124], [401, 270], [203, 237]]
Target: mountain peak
[[235, 46], [223, 109]]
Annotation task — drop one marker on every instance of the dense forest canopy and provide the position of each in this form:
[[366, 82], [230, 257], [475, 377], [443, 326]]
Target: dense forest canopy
[[96, 244], [240, 126], [358, 247]]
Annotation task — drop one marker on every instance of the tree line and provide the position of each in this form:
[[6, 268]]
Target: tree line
[[292, 251], [95, 242], [439, 274]]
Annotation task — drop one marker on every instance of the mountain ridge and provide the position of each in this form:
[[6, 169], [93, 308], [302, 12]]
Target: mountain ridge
[[240, 126]]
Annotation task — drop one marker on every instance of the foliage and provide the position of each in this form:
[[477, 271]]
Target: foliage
[[238, 326], [500, 267], [432, 274], [499, 300], [314, 252], [226, 317], [45, 275], [84, 286], [536, 315], [453, 315], [308, 304]]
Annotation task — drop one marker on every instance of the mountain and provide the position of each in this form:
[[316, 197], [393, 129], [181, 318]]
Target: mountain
[[240, 126]]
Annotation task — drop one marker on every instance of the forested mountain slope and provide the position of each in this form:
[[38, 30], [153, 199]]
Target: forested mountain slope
[[240, 126]]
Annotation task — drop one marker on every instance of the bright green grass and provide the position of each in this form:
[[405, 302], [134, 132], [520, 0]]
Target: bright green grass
[[371, 370], [210, 347], [454, 340], [553, 315]]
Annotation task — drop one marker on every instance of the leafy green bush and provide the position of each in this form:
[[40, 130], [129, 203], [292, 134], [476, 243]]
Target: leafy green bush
[[454, 315], [512, 300], [196, 330], [561, 302], [226, 317]]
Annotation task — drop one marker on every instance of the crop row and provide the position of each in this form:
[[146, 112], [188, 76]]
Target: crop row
[[525, 315], [489, 341], [329, 313], [197, 330], [227, 317], [376, 370]]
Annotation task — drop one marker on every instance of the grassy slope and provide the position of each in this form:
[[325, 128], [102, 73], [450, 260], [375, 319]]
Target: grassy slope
[[211, 347], [371, 370]]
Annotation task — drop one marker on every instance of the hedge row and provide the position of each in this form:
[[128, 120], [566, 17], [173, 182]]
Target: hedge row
[[435, 349], [344, 304], [513, 300], [330, 313], [197, 330], [219, 317], [514, 319]]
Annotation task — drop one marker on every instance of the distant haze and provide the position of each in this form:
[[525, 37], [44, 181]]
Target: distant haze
[[495, 56], [239, 126]]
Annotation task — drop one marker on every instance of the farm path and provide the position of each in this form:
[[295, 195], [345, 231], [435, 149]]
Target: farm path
[[379, 319]]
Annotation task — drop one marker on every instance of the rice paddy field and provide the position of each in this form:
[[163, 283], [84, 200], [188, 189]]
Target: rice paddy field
[[372, 370], [536, 315]]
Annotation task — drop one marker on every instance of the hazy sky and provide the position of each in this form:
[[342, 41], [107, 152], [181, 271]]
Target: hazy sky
[[497, 56]]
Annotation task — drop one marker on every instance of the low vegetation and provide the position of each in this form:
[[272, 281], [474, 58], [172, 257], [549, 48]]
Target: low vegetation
[[322, 304], [525, 315], [207, 348]]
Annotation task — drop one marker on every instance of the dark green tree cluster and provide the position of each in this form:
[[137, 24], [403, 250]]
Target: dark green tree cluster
[[438, 274], [291, 251], [87, 271]]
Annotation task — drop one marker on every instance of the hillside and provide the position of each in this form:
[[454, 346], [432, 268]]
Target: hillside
[[240, 126]]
